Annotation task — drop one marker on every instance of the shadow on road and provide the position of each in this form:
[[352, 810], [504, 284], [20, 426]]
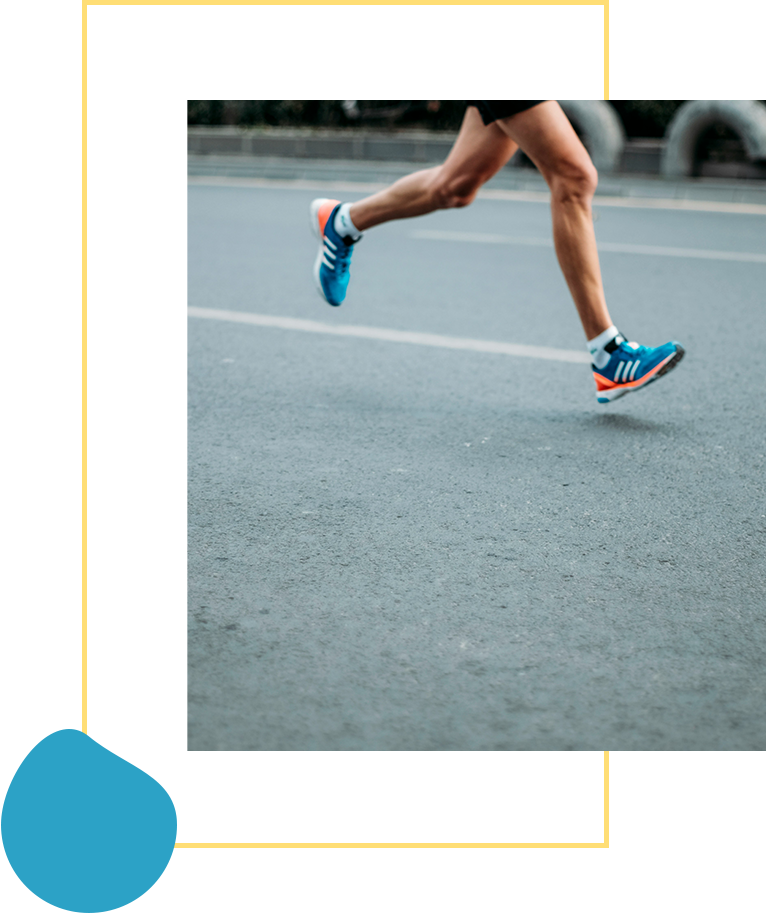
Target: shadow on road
[[629, 423]]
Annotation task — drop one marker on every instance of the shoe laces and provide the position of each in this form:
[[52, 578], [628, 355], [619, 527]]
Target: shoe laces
[[343, 256], [629, 349]]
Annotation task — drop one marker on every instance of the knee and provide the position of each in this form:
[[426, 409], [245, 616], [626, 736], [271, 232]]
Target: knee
[[456, 191], [574, 182]]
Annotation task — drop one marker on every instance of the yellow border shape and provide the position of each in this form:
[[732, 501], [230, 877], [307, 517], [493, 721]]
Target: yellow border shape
[[140, 62]]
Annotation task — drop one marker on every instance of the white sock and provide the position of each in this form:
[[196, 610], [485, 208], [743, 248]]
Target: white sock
[[597, 346], [343, 224]]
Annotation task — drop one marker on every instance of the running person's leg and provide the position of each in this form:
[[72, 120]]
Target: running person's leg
[[546, 136], [479, 152]]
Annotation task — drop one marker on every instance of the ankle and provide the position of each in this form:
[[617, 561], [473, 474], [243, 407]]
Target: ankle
[[602, 346], [344, 223]]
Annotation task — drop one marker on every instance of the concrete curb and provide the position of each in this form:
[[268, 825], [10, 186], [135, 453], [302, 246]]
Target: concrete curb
[[353, 145], [419, 147]]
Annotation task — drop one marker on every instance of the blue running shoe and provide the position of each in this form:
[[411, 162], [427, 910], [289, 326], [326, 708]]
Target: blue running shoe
[[332, 262], [631, 367]]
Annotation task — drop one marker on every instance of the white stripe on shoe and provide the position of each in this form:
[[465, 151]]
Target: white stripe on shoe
[[633, 372]]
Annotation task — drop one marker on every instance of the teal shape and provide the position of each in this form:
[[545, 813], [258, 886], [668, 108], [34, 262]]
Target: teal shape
[[89, 823]]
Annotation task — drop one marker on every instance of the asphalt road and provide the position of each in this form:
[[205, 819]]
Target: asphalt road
[[401, 547]]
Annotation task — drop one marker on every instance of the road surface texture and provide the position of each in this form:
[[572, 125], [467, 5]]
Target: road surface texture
[[397, 546]]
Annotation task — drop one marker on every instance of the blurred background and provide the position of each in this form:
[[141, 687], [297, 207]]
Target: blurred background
[[715, 139]]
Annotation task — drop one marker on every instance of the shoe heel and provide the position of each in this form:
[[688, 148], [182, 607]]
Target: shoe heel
[[314, 217], [320, 212]]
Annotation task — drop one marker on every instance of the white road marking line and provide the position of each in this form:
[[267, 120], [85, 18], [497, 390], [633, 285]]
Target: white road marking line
[[419, 339], [539, 196], [608, 246], [477, 237], [520, 196]]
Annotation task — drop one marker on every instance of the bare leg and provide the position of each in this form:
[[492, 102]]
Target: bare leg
[[547, 137], [479, 152]]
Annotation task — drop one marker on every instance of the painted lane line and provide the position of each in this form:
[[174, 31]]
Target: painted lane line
[[607, 246], [513, 196], [630, 202], [476, 237], [378, 333], [696, 253]]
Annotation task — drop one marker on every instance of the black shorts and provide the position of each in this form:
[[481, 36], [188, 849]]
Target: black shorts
[[496, 110]]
